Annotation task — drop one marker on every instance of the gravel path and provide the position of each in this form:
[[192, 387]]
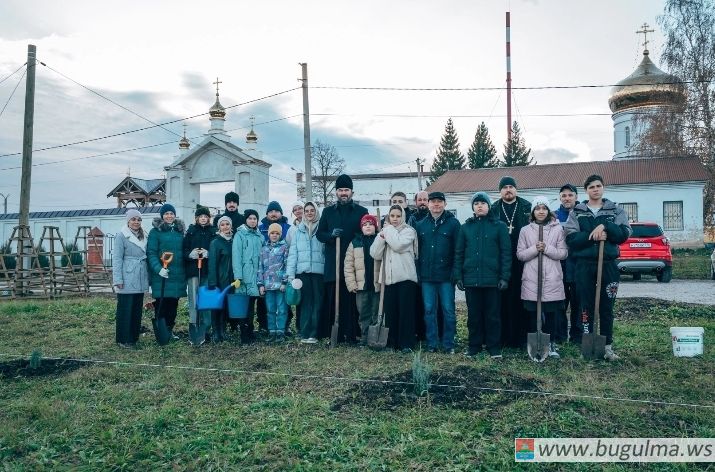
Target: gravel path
[[701, 292]]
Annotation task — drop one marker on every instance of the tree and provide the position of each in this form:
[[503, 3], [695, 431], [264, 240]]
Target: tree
[[515, 151], [326, 165], [449, 157], [482, 153], [689, 53]]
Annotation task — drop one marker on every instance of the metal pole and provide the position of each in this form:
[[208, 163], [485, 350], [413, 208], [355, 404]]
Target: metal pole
[[27, 137], [508, 76], [419, 175], [306, 135]]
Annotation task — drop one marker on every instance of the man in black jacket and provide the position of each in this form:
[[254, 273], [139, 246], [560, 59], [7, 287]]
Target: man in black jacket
[[514, 211], [341, 219], [597, 219], [421, 210], [231, 200], [437, 239]]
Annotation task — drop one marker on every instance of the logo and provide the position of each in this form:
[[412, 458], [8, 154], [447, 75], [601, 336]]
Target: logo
[[612, 290], [524, 449]]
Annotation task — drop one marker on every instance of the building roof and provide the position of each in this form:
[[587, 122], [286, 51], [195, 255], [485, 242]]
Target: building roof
[[147, 186], [394, 175], [620, 172], [78, 213]]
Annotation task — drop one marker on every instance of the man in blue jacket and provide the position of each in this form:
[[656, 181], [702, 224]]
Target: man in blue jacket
[[569, 198], [437, 239]]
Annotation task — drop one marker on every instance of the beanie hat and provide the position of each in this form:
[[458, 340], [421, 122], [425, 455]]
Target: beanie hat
[[202, 211], [224, 218], [166, 207], [274, 205], [344, 181], [540, 200], [368, 218], [297, 203], [249, 212], [481, 197], [231, 197], [507, 180], [132, 214], [275, 228]]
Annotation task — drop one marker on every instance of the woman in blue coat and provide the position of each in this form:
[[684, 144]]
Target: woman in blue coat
[[131, 279], [167, 235], [246, 252]]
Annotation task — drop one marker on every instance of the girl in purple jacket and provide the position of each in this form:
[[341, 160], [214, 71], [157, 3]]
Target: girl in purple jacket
[[554, 250]]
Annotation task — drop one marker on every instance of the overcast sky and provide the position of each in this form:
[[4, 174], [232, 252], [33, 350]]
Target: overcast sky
[[159, 59]]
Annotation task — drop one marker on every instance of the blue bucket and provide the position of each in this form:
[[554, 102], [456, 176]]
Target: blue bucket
[[207, 299], [238, 306]]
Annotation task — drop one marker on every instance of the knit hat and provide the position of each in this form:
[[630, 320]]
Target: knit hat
[[224, 218], [202, 211], [368, 218], [166, 207], [133, 214], [275, 228], [481, 197], [568, 187], [507, 180], [540, 200], [231, 197], [274, 205], [344, 181], [249, 212], [297, 203]]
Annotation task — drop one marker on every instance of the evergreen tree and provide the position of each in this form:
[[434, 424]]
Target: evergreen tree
[[449, 157], [515, 150], [482, 153]]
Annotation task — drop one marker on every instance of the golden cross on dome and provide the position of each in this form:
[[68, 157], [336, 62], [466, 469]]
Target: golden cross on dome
[[216, 84], [184, 125], [643, 31], [253, 120]]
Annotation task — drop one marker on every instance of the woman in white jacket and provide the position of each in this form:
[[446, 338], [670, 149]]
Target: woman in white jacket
[[396, 246]]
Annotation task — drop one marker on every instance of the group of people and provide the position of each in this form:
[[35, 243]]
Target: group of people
[[416, 257]]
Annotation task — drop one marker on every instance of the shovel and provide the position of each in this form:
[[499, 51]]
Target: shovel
[[377, 334], [593, 345], [336, 323], [197, 328], [537, 344], [161, 331]]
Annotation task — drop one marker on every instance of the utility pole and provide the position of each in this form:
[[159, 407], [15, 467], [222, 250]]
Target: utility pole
[[27, 137], [508, 76], [419, 174], [5, 197], [306, 135]]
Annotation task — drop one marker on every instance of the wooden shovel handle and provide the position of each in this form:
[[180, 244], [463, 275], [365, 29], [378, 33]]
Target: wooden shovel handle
[[599, 274], [540, 282]]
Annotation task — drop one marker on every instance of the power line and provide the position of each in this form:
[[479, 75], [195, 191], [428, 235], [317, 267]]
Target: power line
[[16, 71], [12, 93], [545, 115]]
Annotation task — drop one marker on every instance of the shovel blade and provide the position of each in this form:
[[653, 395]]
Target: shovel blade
[[334, 334], [593, 346], [161, 331], [537, 346], [377, 337]]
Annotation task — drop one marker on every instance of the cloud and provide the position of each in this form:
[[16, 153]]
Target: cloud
[[554, 155]]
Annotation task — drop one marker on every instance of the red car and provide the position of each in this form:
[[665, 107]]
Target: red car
[[647, 251]]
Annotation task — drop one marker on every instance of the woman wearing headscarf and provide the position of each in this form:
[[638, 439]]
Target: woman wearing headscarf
[[221, 272], [396, 247], [306, 262], [167, 236], [245, 255], [131, 278]]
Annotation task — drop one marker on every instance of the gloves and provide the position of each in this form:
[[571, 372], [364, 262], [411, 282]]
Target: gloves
[[164, 273], [460, 285], [194, 254], [206, 253], [503, 285], [336, 232]]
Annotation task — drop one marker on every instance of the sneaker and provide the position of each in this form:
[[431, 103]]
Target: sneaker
[[127, 345], [553, 351], [449, 351], [496, 357], [610, 355], [471, 353], [406, 350], [305, 341], [271, 338], [432, 349], [310, 341], [280, 338]]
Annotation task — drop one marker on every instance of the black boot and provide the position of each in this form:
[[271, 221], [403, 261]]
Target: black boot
[[216, 335]]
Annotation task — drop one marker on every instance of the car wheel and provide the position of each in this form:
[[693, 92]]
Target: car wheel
[[665, 275], [636, 276]]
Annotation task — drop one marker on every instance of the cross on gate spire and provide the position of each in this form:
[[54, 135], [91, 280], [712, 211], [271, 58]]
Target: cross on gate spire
[[217, 84]]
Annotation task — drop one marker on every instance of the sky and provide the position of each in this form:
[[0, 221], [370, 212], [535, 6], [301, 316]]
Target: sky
[[116, 67]]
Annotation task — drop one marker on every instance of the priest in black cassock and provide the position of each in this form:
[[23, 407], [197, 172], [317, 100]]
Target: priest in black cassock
[[514, 211]]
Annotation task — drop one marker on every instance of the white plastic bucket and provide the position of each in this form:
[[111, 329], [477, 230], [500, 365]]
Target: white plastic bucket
[[687, 341]]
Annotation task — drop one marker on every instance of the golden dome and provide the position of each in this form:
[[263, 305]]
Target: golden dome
[[184, 143], [646, 86], [217, 110], [251, 137]]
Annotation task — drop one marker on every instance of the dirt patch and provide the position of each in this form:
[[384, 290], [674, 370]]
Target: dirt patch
[[462, 388], [644, 308], [48, 367]]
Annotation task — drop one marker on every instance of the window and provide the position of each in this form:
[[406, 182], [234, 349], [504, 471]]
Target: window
[[673, 216], [631, 210], [628, 136], [376, 203]]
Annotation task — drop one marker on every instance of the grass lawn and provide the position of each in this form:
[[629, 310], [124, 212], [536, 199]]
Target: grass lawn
[[275, 407], [691, 263]]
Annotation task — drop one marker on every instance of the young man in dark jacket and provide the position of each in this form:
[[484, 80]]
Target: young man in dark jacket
[[597, 219], [437, 240], [341, 219], [231, 200], [482, 267]]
